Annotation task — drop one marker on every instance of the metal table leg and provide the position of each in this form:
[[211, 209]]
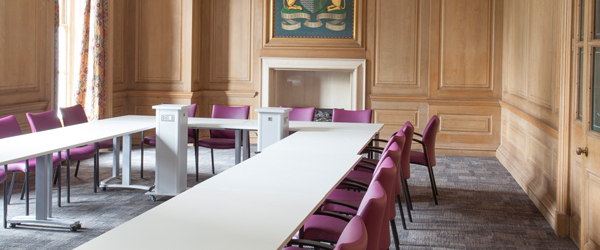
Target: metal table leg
[[126, 175], [43, 198]]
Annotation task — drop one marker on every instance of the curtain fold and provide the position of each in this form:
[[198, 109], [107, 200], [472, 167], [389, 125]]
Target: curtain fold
[[91, 88]]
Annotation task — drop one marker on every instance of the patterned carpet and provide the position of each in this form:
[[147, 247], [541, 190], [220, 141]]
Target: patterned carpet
[[480, 207]]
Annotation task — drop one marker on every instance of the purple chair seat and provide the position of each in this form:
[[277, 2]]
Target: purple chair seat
[[80, 153], [323, 228], [348, 196], [106, 143], [21, 167], [418, 157], [217, 143]]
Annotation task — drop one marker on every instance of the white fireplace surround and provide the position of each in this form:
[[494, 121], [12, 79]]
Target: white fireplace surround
[[356, 68]]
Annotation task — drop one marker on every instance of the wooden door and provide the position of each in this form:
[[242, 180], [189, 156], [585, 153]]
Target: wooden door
[[589, 149], [576, 135]]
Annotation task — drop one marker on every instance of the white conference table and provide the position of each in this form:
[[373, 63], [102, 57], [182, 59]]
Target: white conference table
[[42, 145], [259, 204], [17, 148]]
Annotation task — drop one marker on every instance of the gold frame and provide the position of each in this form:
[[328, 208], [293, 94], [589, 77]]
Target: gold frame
[[271, 21]]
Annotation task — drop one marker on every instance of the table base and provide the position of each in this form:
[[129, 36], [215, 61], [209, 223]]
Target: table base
[[52, 222]]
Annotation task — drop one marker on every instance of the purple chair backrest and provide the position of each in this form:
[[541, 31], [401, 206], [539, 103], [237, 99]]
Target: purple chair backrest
[[358, 116], [429, 137], [43, 121], [9, 126], [192, 113], [73, 115], [354, 236], [228, 113], [386, 174], [371, 210], [408, 130], [301, 114]]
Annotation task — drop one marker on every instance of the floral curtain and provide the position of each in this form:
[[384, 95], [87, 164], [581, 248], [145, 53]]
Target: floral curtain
[[91, 89]]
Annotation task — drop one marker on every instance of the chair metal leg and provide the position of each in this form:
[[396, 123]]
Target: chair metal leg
[[5, 200], [434, 183], [142, 156], [76, 168], [395, 234], [58, 173], [196, 151], [96, 167], [69, 175], [431, 180], [12, 184], [23, 190], [407, 200], [399, 201], [408, 194], [27, 187], [212, 160]]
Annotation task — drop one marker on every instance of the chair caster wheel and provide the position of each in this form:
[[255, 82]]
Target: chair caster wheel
[[103, 188], [152, 198], [78, 226], [74, 229], [12, 225]]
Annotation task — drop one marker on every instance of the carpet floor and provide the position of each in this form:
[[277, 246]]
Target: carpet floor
[[480, 206]]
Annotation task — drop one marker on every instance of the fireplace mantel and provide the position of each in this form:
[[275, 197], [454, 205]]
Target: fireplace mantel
[[356, 68]]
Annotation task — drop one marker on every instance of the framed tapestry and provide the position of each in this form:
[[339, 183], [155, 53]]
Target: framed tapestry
[[313, 19]]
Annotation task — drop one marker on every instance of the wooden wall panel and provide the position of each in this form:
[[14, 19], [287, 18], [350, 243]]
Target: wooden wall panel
[[466, 44], [231, 43], [532, 58], [466, 49], [26, 58], [529, 151], [118, 43], [397, 48], [159, 45], [475, 128], [591, 205]]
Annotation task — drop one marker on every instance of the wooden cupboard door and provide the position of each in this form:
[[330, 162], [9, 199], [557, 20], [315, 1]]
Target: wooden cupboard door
[[589, 150]]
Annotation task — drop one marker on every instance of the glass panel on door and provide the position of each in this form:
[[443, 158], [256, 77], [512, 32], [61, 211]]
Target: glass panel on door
[[595, 118]]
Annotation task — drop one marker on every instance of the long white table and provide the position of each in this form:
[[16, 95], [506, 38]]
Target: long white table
[[259, 204], [19, 148]]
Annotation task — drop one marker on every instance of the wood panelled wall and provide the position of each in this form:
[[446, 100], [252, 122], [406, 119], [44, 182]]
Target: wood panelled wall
[[533, 60], [26, 58]]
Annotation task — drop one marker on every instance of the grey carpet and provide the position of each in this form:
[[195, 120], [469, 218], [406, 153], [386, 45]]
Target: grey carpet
[[480, 207]]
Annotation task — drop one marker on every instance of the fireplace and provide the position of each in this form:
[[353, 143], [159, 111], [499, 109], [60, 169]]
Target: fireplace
[[313, 82]]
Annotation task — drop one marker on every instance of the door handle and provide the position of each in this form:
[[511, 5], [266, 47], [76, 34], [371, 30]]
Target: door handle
[[579, 151]]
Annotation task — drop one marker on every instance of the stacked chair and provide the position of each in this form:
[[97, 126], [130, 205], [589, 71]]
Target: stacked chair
[[427, 157], [327, 224]]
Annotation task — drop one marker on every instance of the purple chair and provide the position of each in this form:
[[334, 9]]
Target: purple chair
[[192, 138], [402, 184], [427, 157], [223, 139], [354, 237], [76, 115], [387, 174], [3, 176], [358, 116], [328, 226], [48, 120], [9, 126], [301, 114]]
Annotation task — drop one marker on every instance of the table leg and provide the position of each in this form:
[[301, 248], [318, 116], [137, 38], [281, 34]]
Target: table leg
[[43, 199], [116, 157], [246, 142], [126, 178], [126, 168], [238, 144]]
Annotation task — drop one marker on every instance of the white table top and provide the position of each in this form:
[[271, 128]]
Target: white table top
[[27, 146], [259, 204]]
